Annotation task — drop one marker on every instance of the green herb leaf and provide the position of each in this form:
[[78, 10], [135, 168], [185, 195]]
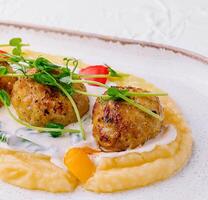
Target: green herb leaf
[[15, 59], [141, 107], [17, 51], [55, 125], [4, 98], [44, 64], [75, 64], [62, 73], [114, 93], [3, 70], [44, 79], [112, 72], [68, 88], [3, 137], [15, 42]]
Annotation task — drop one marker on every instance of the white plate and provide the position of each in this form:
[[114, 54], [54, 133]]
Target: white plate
[[184, 78]]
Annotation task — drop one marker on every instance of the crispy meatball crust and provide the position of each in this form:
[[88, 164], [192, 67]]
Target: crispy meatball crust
[[118, 126], [7, 83], [39, 104]]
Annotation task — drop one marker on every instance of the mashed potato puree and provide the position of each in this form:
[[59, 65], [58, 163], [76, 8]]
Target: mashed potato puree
[[131, 170]]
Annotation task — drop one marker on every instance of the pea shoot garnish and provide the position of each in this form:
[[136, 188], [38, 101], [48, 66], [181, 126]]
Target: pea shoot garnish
[[112, 72], [3, 137], [55, 125], [17, 45], [3, 70]]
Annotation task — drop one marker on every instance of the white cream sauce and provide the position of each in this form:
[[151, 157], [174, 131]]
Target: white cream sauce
[[57, 147]]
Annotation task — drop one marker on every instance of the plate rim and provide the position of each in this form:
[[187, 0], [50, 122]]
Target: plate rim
[[106, 38]]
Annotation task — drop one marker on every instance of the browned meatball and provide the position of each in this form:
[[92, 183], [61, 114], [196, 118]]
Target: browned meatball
[[7, 83], [118, 125], [39, 104]]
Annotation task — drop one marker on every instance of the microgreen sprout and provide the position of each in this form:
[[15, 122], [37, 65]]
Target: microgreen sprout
[[44, 64], [112, 72], [117, 94], [90, 82], [140, 107], [4, 98], [3, 137], [17, 45], [74, 62], [57, 126], [3, 70]]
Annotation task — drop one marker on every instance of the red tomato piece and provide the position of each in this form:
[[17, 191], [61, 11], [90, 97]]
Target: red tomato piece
[[95, 70], [3, 52]]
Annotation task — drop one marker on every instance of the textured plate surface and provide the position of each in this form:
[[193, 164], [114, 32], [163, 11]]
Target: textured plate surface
[[184, 78]]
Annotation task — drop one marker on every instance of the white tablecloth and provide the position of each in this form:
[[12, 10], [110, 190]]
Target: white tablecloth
[[181, 23]]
